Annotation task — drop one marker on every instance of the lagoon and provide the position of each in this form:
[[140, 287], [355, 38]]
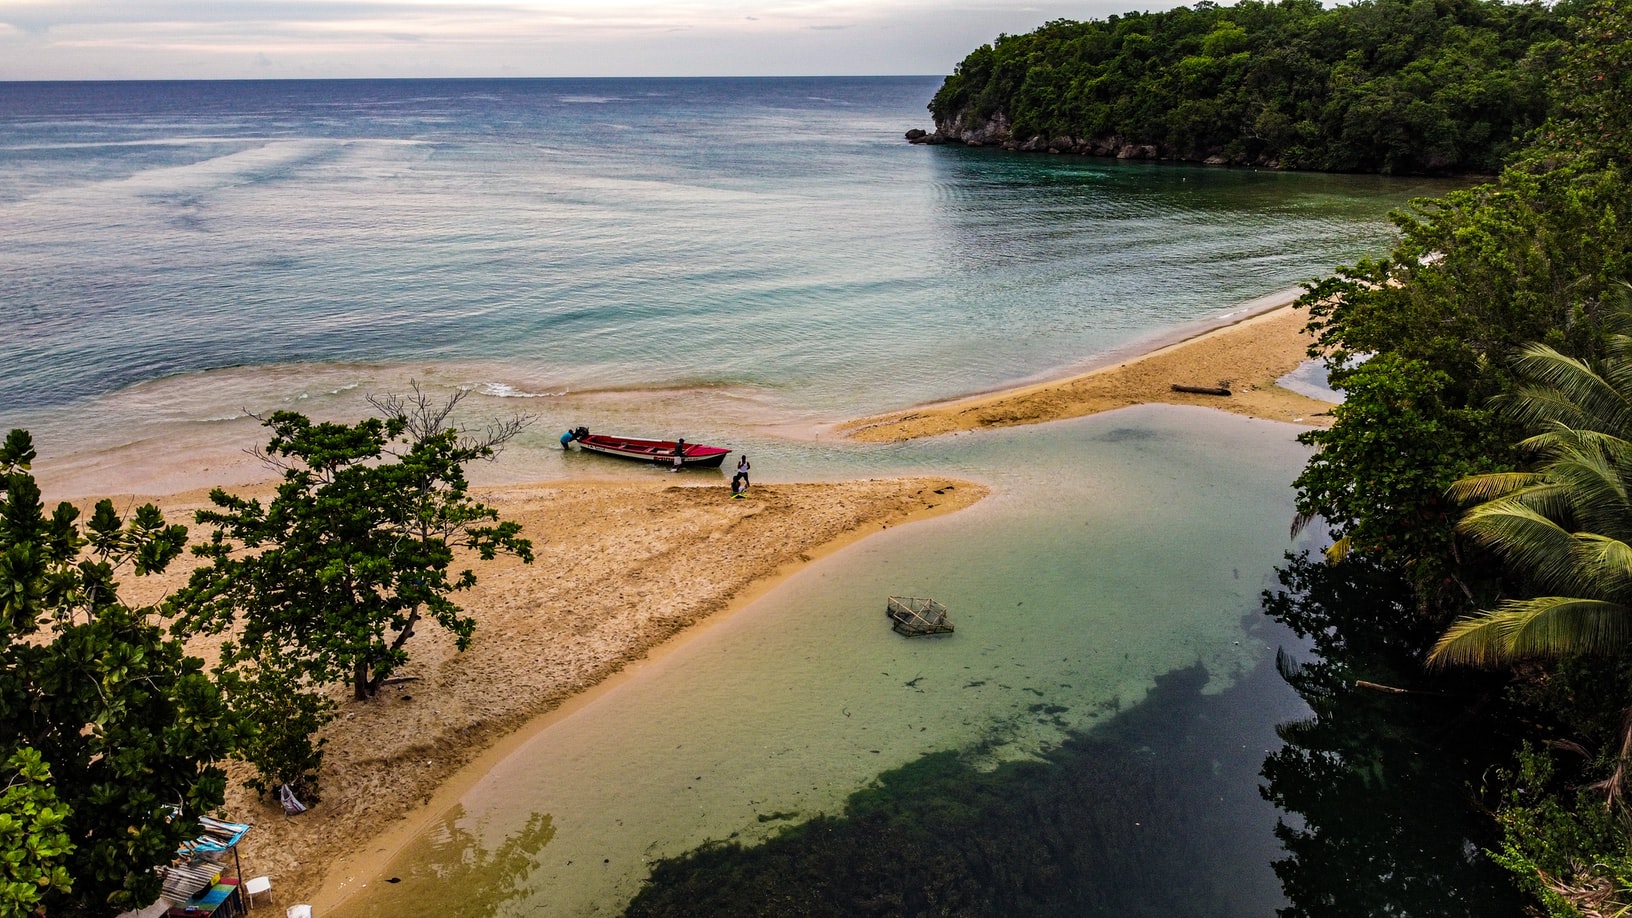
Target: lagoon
[[1116, 549]]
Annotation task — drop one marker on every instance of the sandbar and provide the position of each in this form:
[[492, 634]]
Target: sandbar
[[1246, 357], [620, 569]]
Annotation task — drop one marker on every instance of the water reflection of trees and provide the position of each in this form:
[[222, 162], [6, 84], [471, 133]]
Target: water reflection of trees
[[1154, 813], [455, 870], [1377, 784], [1160, 810]]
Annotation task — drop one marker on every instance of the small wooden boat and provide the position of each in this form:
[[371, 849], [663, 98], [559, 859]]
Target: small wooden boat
[[658, 452]]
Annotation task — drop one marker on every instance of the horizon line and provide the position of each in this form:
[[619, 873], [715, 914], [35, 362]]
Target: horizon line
[[390, 79]]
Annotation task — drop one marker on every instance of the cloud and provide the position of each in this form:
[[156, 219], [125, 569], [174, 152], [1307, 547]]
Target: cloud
[[73, 39]]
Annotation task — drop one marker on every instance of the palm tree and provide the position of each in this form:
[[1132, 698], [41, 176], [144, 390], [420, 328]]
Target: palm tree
[[1567, 525]]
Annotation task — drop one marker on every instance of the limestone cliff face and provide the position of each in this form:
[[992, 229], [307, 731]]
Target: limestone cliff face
[[976, 132], [967, 129]]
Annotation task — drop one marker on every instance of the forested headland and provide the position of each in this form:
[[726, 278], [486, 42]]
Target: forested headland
[[1390, 86], [1476, 483]]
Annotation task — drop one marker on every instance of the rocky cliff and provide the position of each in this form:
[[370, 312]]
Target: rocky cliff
[[994, 131]]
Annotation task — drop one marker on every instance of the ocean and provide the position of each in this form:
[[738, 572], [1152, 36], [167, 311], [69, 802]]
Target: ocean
[[745, 262], [737, 260]]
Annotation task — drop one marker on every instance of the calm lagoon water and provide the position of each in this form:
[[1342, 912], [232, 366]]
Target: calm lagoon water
[[736, 261], [1118, 550]]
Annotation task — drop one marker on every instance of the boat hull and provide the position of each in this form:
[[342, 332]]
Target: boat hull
[[656, 452]]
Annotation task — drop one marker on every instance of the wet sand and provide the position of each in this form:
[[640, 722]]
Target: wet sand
[[1246, 357], [620, 568], [623, 567]]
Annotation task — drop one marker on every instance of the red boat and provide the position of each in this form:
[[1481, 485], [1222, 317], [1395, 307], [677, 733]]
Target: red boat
[[658, 452]]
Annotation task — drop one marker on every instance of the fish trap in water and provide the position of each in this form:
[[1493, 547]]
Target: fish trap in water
[[913, 615]]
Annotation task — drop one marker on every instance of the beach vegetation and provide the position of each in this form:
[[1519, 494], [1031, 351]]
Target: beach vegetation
[[328, 581], [1548, 824], [1390, 86], [109, 732], [1476, 462], [1564, 525], [34, 845]]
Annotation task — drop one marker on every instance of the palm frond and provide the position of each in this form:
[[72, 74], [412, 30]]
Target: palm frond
[[1337, 551], [1536, 406], [1597, 496], [1490, 485], [1526, 539], [1546, 626], [1609, 562], [1564, 389]]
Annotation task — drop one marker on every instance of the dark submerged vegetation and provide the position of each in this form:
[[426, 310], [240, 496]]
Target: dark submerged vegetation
[[1127, 819]]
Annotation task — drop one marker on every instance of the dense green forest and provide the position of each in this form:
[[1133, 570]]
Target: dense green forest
[[112, 738], [1482, 461], [1391, 86]]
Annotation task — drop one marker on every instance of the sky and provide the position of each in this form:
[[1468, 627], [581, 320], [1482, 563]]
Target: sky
[[280, 39]]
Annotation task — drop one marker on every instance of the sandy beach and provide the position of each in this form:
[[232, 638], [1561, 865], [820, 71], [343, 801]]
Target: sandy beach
[[620, 568], [624, 567], [1247, 357]]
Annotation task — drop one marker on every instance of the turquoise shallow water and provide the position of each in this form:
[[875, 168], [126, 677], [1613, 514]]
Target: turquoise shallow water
[[1115, 549]]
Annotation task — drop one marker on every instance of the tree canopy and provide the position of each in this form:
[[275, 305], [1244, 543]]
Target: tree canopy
[[1391, 86], [109, 732], [1450, 352], [327, 582]]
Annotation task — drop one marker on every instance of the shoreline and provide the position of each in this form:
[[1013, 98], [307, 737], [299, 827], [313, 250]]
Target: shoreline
[[623, 571], [628, 571], [1247, 355], [347, 877]]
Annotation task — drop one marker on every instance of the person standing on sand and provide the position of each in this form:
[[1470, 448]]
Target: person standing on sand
[[679, 452], [742, 469]]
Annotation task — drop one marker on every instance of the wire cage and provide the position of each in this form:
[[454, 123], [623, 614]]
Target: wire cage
[[915, 615]]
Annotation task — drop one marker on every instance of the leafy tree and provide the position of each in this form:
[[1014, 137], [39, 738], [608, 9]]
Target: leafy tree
[[287, 709], [97, 709], [34, 846], [328, 581], [1546, 829], [1421, 343]]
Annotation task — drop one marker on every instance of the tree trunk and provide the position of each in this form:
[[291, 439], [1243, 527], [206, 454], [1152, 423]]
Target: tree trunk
[[1614, 786], [359, 682], [407, 632]]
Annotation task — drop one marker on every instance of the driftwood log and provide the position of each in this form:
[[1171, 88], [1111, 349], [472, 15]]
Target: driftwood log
[[1202, 390]]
